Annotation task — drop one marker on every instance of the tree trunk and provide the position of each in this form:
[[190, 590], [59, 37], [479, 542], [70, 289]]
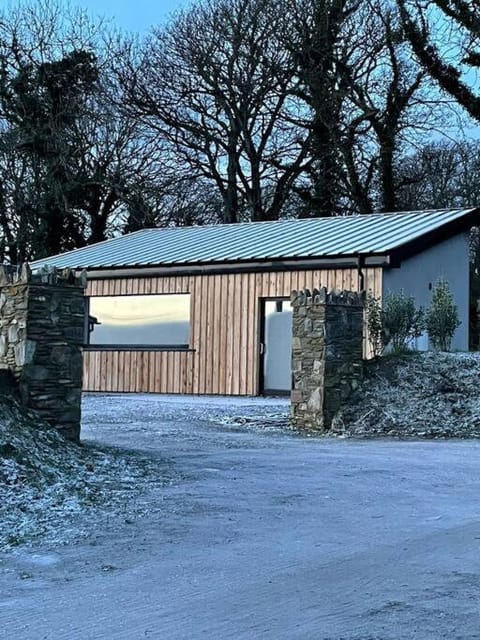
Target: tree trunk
[[388, 194], [324, 198], [231, 196]]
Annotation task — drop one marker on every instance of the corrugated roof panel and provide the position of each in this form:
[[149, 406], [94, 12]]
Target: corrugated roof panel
[[281, 239]]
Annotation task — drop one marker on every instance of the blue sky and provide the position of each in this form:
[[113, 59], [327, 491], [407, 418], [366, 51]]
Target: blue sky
[[132, 15]]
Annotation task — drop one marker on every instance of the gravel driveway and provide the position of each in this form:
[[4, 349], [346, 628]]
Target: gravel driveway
[[261, 533]]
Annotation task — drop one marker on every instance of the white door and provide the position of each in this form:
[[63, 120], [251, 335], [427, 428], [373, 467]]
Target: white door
[[277, 346]]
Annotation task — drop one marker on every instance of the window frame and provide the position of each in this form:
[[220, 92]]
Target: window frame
[[88, 346]]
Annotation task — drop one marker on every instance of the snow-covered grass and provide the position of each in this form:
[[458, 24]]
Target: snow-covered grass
[[422, 395], [51, 488]]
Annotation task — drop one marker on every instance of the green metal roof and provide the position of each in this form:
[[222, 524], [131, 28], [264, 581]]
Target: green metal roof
[[376, 234]]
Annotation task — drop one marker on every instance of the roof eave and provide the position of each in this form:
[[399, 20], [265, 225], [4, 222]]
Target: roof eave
[[293, 264], [432, 238]]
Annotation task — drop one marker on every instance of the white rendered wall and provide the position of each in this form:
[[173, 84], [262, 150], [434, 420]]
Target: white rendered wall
[[448, 260]]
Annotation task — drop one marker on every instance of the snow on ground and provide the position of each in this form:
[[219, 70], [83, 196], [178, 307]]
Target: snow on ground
[[422, 395], [52, 489], [57, 492], [260, 534]]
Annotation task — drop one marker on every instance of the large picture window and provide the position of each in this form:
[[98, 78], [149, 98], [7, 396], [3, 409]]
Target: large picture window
[[139, 321]]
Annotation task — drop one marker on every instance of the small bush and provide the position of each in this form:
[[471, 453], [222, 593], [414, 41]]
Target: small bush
[[398, 322], [402, 321], [442, 317], [375, 325]]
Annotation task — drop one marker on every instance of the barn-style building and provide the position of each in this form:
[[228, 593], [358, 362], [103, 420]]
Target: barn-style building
[[205, 310]]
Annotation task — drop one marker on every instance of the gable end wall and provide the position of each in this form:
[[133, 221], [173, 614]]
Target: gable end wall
[[448, 260]]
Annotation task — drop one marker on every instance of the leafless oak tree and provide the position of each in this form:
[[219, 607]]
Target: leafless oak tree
[[215, 84]]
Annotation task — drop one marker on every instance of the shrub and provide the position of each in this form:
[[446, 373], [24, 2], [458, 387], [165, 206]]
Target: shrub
[[442, 317], [402, 321], [398, 322], [375, 325]]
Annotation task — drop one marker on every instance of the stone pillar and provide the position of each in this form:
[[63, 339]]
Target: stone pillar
[[42, 321], [327, 354]]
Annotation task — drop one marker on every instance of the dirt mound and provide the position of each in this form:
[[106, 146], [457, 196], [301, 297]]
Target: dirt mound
[[424, 395], [46, 483]]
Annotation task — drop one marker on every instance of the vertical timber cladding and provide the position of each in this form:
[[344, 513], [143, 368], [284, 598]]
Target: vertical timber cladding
[[224, 331]]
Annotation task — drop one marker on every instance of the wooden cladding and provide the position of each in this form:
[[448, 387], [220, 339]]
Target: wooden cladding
[[224, 331], [138, 371]]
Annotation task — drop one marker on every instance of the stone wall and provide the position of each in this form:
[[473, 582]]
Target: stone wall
[[327, 354], [42, 320]]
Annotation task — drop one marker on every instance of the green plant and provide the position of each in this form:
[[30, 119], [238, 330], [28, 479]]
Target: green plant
[[401, 320], [375, 325], [442, 317]]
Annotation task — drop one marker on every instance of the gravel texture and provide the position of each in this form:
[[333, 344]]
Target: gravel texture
[[427, 395]]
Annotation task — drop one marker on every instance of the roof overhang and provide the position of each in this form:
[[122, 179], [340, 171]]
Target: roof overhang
[[432, 238], [343, 262]]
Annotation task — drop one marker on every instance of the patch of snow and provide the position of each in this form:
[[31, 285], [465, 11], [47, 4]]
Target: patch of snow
[[424, 395], [46, 483]]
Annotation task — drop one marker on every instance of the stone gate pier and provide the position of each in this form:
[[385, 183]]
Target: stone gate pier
[[42, 323], [327, 354]]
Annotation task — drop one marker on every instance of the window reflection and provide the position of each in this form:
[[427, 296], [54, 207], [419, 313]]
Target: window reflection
[[155, 320]]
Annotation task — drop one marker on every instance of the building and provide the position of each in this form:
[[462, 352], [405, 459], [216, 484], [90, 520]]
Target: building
[[205, 310]]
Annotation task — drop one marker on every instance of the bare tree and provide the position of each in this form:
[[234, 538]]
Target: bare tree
[[179, 203], [391, 103], [441, 175], [364, 101], [236, 110], [309, 101], [214, 83], [314, 35], [446, 42]]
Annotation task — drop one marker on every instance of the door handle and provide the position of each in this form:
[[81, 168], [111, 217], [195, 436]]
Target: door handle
[[262, 348]]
